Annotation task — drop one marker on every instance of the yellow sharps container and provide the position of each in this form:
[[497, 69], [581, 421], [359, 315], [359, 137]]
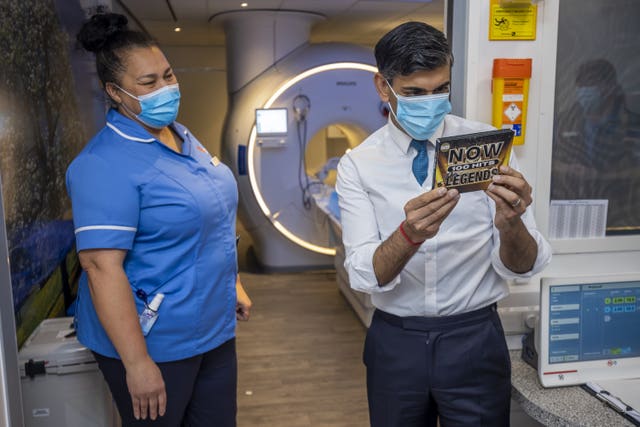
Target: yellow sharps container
[[510, 87]]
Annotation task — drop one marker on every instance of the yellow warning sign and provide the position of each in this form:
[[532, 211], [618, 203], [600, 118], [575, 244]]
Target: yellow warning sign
[[513, 22]]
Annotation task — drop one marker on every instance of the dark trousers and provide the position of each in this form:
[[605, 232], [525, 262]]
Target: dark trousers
[[455, 368], [201, 390]]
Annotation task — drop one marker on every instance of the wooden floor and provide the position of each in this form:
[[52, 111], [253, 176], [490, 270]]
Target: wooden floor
[[300, 355]]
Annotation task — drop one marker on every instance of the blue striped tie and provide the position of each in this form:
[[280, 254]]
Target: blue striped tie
[[421, 161]]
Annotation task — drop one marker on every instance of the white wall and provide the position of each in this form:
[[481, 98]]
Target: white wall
[[571, 257], [201, 72], [479, 61]]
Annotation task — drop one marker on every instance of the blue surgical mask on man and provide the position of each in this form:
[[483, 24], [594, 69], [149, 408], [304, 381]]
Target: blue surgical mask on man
[[421, 115], [158, 108]]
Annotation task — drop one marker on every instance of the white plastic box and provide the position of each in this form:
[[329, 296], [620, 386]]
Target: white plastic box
[[61, 383]]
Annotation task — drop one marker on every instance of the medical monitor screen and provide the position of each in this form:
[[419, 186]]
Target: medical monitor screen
[[271, 122], [593, 321]]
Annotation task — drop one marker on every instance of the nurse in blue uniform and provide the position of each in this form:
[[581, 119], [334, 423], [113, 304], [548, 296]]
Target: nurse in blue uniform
[[154, 213]]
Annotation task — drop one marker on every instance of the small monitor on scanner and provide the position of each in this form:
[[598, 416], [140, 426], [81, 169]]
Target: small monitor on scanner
[[271, 122], [589, 329]]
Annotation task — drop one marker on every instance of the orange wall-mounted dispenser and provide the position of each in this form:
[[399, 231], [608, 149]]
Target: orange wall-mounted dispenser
[[510, 87]]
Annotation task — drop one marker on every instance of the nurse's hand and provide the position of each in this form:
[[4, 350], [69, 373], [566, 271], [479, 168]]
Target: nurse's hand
[[146, 386], [243, 302]]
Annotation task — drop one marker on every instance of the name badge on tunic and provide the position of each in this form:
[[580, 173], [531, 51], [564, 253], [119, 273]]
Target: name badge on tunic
[[215, 161]]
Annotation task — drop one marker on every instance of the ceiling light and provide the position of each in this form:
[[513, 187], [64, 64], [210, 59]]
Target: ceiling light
[[177, 29], [244, 4]]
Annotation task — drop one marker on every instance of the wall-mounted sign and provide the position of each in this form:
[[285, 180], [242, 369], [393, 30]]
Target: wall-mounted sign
[[512, 21]]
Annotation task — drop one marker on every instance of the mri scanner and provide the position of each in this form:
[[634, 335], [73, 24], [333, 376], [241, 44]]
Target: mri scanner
[[294, 108], [318, 100]]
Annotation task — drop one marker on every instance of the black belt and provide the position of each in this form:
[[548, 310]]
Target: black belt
[[420, 323]]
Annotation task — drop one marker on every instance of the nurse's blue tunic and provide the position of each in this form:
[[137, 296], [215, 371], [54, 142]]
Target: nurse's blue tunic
[[174, 214]]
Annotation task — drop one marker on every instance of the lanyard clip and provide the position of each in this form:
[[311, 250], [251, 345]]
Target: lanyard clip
[[142, 295]]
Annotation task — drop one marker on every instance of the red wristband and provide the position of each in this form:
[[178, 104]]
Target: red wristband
[[404, 234]]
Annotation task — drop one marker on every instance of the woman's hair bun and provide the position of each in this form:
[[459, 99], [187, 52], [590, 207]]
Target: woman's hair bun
[[96, 34]]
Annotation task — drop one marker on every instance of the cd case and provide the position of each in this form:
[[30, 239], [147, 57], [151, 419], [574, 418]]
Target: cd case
[[468, 162]]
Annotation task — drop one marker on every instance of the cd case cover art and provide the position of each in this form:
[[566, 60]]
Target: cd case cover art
[[468, 162]]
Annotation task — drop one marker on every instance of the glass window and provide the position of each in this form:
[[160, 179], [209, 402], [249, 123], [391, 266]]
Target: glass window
[[596, 146]]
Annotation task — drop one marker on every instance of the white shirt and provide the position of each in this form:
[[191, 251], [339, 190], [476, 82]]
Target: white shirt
[[458, 270]]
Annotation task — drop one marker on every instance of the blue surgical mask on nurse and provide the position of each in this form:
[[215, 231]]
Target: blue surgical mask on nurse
[[158, 108], [421, 115]]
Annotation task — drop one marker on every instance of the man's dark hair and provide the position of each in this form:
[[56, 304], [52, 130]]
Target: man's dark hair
[[411, 47]]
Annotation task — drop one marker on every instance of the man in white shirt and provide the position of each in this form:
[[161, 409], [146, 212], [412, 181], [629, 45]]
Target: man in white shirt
[[434, 261]]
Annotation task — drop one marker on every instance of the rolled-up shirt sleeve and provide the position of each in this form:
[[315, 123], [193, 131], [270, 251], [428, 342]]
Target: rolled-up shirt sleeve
[[105, 204], [360, 232], [543, 257]]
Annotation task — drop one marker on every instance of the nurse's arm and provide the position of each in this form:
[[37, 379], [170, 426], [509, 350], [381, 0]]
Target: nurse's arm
[[113, 300]]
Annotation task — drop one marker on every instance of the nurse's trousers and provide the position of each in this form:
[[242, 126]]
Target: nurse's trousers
[[201, 390]]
